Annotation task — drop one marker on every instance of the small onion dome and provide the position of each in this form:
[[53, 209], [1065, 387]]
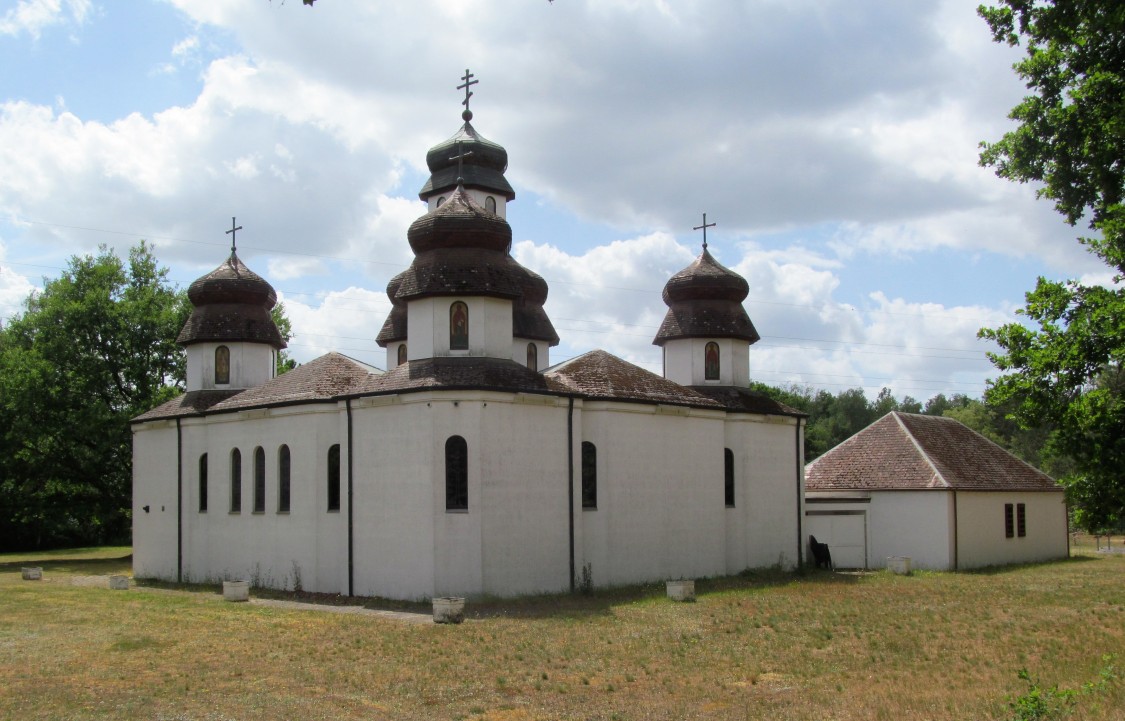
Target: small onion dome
[[460, 223], [529, 320], [483, 169], [705, 301], [394, 328], [231, 303]]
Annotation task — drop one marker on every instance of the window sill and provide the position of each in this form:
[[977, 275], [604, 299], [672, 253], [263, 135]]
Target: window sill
[[457, 510], [731, 505], [283, 513], [589, 508], [333, 510], [234, 513]]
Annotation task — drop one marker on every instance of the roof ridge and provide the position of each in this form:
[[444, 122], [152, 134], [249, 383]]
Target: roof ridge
[[925, 455]]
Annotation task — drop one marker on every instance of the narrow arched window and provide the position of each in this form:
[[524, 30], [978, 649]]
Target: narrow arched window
[[728, 477], [440, 202], [283, 479], [589, 475], [456, 474], [222, 365], [490, 204], [711, 362], [236, 481], [532, 357], [402, 354], [203, 483], [259, 480], [334, 477], [458, 326]]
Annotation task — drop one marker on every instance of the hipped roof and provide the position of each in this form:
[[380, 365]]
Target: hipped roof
[[907, 451]]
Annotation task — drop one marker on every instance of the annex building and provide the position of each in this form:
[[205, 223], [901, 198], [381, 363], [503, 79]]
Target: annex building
[[471, 465]]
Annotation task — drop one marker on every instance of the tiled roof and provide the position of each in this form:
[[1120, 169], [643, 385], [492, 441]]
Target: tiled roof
[[328, 377], [456, 373], [747, 401], [600, 375], [906, 451]]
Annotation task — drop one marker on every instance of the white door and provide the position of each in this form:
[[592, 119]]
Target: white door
[[845, 532]]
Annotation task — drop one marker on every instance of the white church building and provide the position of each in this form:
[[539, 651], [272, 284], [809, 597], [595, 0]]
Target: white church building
[[471, 466]]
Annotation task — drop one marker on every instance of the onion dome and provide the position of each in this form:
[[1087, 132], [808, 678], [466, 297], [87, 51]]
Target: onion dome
[[529, 320], [231, 303], [394, 328], [705, 301], [461, 249], [482, 167]]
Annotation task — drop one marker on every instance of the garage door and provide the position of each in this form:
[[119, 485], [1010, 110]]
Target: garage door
[[845, 532]]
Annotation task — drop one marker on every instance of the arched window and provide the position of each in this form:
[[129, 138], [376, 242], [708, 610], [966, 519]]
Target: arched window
[[222, 365], [283, 479], [728, 477], [711, 361], [203, 483], [440, 201], [334, 478], [402, 354], [456, 474], [458, 326], [236, 481], [532, 357], [490, 204], [589, 475], [259, 480]]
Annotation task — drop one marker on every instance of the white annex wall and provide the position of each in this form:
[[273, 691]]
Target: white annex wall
[[154, 486], [981, 533]]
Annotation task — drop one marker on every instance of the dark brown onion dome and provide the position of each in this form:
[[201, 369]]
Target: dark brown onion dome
[[460, 223], [462, 271], [705, 301], [483, 169], [394, 328], [706, 279], [529, 320], [231, 303]]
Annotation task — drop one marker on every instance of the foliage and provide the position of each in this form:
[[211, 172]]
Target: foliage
[[1063, 370], [285, 363], [1047, 703]]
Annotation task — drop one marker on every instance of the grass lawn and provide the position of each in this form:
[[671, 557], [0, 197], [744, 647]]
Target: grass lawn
[[769, 645]]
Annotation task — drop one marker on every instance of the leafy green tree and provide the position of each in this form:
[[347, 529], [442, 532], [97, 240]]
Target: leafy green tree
[[1059, 371], [93, 349]]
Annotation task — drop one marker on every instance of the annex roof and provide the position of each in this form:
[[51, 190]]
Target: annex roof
[[907, 451]]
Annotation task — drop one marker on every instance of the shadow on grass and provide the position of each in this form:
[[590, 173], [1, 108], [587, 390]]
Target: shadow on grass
[[1015, 567], [74, 566]]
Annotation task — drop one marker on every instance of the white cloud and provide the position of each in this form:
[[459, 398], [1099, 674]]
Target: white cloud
[[344, 321], [33, 16], [14, 289]]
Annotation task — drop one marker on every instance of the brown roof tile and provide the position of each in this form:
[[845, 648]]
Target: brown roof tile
[[456, 373], [600, 375], [906, 451]]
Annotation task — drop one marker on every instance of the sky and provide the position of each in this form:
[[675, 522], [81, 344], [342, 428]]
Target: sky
[[834, 144]]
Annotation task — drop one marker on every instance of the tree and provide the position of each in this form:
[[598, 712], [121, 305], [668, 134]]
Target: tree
[[1061, 372]]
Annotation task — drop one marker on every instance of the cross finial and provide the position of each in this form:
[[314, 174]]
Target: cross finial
[[469, 82], [233, 233], [459, 157], [705, 226]]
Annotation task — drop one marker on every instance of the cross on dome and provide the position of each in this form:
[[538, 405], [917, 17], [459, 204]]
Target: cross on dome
[[469, 82], [233, 233], [460, 157], [705, 226]]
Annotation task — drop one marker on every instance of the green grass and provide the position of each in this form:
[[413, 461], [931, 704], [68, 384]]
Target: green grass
[[766, 645]]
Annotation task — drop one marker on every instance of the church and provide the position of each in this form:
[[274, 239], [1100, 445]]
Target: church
[[471, 466]]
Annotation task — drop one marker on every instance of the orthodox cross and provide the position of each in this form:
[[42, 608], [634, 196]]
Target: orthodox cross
[[705, 226], [233, 233], [459, 157], [469, 82]]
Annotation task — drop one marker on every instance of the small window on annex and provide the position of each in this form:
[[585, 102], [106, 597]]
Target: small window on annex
[[711, 361], [1021, 520], [203, 483], [222, 365], [490, 204], [236, 481], [532, 357], [456, 474], [259, 480], [1009, 521], [458, 326], [440, 202], [283, 479], [402, 354], [728, 477], [589, 475], [334, 477]]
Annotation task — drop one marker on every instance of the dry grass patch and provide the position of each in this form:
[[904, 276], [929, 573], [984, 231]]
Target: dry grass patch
[[770, 645]]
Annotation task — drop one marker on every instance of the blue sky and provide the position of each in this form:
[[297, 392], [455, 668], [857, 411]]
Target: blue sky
[[834, 144]]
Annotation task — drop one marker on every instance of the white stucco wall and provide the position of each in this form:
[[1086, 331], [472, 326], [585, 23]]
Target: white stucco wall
[[490, 327], [543, 352], [477, 195], [980, 528], [251, 364], [684, 361]]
